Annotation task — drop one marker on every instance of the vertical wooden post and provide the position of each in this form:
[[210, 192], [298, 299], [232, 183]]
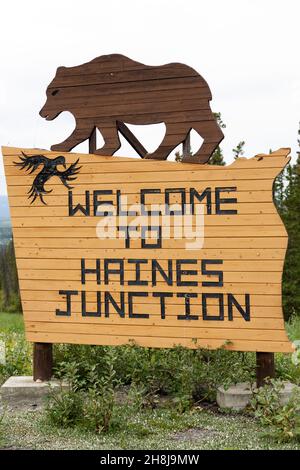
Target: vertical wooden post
[[42, 361], [186, 146], [265, 367], [93, 141]]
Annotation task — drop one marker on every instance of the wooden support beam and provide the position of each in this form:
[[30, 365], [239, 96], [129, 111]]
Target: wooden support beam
[[265, 367], [186, 145], [131, 139], [42, 361], [93, 141]]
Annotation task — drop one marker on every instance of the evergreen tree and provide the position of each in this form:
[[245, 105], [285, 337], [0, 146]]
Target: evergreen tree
[[290, 213], [238, 151], [217, 157], [8, 279]]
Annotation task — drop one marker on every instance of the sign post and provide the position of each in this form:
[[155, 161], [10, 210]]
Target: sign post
[[113, 250]]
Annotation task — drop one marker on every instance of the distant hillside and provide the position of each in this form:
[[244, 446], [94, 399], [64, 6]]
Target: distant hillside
[[4, 210]]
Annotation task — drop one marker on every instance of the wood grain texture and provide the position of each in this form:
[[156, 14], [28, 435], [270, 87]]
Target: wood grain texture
[[250, 243], [112, 90]]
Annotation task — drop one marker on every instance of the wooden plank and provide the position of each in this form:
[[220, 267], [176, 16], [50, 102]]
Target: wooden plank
[[247, 202], [260, 300], [133, 189], [224, 254], [185, 177], [49, 264], [209, 243], [269, 324], [60, 211], [234, 231], [163, 331], [130, 137], [75, 275], [156, 342], [123, 164], [212, 220], [234, 288], [262, 316]]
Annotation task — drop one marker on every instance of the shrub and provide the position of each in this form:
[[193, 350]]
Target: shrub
[[88, 401], [18, 356], [100, 398], [64, 407], [282, 421]]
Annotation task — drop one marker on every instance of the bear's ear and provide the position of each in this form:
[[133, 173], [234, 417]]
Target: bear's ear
[[60, 69]]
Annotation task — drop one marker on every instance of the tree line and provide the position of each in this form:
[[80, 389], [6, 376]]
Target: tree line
[[9, 287]]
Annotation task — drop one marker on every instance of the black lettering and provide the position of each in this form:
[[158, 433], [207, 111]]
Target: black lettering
[[98, 203], [85, 210], [68, 294], [168, 277], [120, 309], [205, 314], [207, 272], [205, 194], [137, 281], [187, 315], [84, 311], [127, 231], [162, 296], [220, 201], [185, 272], [108, 270], [180, 191], [244, 312], [85, 271], [120, 210], [131, 296], [143, 193], [151, 228]]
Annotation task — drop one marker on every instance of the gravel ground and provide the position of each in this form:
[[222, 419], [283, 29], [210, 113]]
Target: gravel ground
[[158, 429]]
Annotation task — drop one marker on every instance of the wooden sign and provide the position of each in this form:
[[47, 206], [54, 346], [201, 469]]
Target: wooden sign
[[111, 250], [112, 90]]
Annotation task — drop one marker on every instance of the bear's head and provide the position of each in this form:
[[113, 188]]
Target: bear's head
[[55, 104]]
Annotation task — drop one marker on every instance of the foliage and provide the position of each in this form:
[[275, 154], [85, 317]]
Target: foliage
[[238, 151], [186, 376], [217, 157], [1, 427], [11, 322], [88, 401], [18, 353], [10, 299], [290, 213], [64, 407], [100, 399], [282, 421]]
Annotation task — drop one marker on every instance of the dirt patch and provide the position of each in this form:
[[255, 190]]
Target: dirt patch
[[193, 434]]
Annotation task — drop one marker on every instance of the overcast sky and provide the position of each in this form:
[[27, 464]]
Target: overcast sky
[[247, 50]]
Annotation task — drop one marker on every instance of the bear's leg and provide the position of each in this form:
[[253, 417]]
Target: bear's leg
[[169, 142], [111, 140], [80, 134], [212, 135]]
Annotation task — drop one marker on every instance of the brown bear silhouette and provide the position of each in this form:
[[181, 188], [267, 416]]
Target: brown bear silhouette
[[112, 90]]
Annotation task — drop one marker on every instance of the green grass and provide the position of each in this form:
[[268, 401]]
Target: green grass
[[149, 429], [293, 328], [11, 322]]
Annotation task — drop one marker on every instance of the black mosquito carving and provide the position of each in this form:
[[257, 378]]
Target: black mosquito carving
[[49, 169]]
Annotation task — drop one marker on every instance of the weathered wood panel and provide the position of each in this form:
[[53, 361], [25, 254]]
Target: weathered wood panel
[[223, 292]]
